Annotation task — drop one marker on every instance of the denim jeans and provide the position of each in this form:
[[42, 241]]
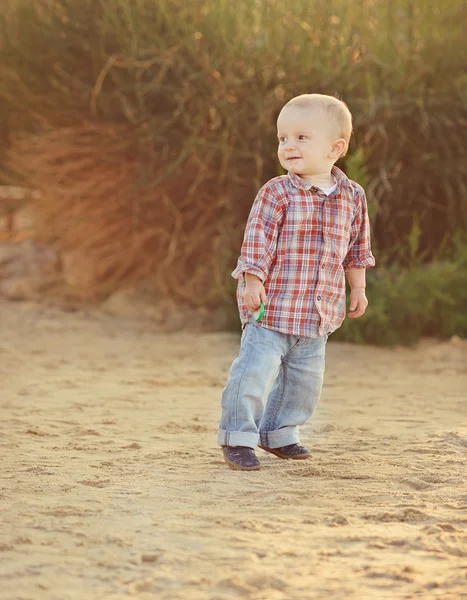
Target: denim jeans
[[288, 370]]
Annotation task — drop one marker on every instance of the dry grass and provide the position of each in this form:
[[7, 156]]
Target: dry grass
[[94, 200]]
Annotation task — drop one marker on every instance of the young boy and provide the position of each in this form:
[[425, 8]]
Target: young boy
[[305, 230]]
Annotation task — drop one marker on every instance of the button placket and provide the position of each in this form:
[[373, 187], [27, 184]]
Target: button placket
[[325, 208]]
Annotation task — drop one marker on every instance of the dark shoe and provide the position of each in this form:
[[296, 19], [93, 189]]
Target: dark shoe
[[294, 451], [241, 458]]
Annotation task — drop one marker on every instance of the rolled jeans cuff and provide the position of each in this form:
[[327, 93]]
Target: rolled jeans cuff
[[281, 437], [237, 438]]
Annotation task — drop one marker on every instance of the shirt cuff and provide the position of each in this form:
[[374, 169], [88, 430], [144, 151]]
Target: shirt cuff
[[360, 263], [242, 269]]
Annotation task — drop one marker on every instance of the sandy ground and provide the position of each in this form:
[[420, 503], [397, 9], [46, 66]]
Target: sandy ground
[[112, 485]]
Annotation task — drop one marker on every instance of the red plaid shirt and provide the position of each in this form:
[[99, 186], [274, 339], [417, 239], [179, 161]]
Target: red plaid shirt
[[299, 242]]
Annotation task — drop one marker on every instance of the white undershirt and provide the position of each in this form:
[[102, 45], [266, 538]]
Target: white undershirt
[[329, 190]]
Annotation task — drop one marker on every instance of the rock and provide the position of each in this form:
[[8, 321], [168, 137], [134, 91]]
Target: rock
[[128, 304], [27, 258], [79, 270], [164, 313], [124, 304], [26, 288], [27, 268]]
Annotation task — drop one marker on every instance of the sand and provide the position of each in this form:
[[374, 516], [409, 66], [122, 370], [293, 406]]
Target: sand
[[112, 485]]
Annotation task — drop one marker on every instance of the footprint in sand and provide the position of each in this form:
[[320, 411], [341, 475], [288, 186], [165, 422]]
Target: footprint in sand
[[409, 515], [403, 574], [97, 483], [416, 484]]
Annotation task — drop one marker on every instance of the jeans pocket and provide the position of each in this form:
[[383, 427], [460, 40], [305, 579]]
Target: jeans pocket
[[243, 333], [247, 331]]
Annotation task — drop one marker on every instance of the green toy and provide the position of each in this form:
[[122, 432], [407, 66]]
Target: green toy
[[258, 314]]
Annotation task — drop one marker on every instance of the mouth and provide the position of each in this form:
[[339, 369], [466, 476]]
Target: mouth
[[293, 158]]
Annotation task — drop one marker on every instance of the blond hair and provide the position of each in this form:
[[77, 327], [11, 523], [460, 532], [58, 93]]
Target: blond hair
[[334, 109]]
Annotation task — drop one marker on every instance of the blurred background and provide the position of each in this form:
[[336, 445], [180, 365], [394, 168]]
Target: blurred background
[[134, 135]]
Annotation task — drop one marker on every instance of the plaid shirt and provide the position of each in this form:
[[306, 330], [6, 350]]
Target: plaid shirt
[[299, 242]]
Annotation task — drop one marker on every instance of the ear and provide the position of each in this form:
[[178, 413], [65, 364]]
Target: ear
[[338, 148]]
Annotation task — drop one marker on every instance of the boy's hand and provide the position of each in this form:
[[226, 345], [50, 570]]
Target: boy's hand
[[358, 303], [254, 293]]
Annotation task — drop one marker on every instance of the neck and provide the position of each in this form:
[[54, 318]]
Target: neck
[[323, 179]]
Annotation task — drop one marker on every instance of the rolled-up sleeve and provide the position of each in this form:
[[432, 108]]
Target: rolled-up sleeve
[[359, 255], [261, 234]]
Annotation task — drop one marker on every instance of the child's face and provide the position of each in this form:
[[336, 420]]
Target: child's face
[[306, 141]]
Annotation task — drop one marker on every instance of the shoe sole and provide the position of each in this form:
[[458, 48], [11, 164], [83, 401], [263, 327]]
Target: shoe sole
[[236, 467], [278, 453]]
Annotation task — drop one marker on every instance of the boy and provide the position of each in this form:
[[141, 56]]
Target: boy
[[305, 230]]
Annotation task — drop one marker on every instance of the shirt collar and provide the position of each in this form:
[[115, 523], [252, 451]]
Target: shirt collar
[[340, 177]]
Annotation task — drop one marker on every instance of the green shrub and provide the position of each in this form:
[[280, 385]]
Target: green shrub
[[407, 304]]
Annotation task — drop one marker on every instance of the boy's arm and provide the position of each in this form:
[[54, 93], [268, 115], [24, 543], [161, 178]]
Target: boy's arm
[[358, 259], [359, 254], [261, 233]]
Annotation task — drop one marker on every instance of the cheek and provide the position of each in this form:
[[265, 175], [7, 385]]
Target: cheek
[[323, 148]]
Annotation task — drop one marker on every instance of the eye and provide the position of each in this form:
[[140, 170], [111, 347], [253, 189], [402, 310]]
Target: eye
[[281, 139], [302, 137]]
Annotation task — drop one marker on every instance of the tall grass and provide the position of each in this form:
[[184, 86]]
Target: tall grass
[[152, 122], [406, 304]]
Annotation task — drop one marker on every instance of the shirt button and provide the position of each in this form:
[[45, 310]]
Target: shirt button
[[323, 265], [318, 298]]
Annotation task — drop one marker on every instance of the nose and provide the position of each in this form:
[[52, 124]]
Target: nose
[[289, 146]]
